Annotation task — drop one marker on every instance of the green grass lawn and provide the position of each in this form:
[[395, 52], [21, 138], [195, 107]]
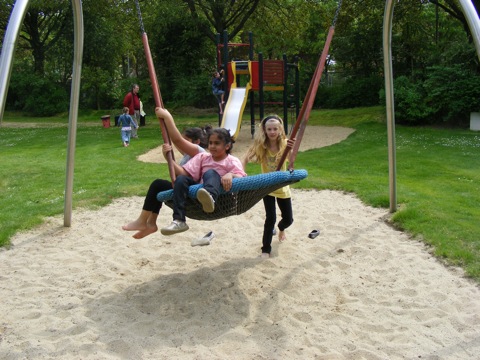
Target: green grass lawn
[[438, 177]]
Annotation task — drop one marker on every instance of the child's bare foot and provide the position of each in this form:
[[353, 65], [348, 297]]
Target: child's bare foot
[[145, 232], [135, 225], [143, 229], [265, 255], [281, 236]]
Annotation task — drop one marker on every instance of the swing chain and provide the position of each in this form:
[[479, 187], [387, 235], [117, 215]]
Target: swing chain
[[142, 29], [336, 13]]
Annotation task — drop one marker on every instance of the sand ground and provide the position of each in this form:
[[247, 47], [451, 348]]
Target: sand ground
[[360, 290]]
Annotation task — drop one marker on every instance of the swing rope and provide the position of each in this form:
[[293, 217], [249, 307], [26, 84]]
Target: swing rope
[[304, 115], [156, 91]]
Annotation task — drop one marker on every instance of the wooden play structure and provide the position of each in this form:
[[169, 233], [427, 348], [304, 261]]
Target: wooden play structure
[[245, 77]]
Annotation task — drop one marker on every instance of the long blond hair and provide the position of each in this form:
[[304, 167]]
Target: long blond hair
[[257, 152]]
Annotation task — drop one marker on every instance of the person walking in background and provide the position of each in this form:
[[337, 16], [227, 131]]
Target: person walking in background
[[132, 102], [217, 89], [126, 123]]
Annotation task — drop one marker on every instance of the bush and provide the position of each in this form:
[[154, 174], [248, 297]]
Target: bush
[[410, 106], [193, 90], [354, 92], [453, 93], [445, 96], [37, 95]]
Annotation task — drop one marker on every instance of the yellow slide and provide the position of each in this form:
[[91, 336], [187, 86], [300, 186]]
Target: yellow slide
[[237, 99]]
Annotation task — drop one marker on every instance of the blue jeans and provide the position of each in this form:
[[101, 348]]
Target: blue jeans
[[126, 135], [211, 183]]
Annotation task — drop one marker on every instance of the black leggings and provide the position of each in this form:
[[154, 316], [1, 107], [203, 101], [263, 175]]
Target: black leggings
[[285, 206], [151, 203]]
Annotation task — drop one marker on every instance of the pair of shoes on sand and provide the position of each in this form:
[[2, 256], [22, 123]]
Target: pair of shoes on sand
[[206, 240], [204, 197], [175, 227]]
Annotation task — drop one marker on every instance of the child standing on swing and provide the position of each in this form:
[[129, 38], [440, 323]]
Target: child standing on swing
[[267, 149], [215, 169]]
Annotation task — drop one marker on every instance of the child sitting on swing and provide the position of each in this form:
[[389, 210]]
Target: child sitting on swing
[[190, 143], [215, 169]]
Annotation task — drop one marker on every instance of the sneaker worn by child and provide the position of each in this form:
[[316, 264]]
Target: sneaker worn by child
[[175, 227], [204, 197]]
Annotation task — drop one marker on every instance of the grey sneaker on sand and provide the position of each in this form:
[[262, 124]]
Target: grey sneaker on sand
[[204, 197], [175, 227], [206, 240]]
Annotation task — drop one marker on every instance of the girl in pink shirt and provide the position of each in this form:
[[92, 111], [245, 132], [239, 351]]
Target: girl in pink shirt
[[215, 169]]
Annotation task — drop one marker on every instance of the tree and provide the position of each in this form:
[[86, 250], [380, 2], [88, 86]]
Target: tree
[[5, 10], [43, 27], [358, 41], [214, 16], [453, 8], [111, 34]]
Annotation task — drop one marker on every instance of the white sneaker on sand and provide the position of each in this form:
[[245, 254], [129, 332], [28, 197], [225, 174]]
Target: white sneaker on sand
[[175, 227], [206, 240], [204, 197]]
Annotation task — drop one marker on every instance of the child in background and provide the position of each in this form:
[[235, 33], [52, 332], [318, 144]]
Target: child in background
[[126, 123], [192, 142], [132, 101], [217, 89], [267, 149], [215, 169]]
